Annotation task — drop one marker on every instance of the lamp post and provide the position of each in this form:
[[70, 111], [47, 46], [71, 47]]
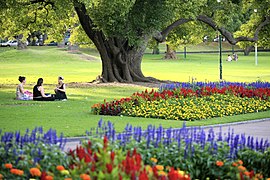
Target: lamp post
[[220, 56], [256, 47], [220, 52]]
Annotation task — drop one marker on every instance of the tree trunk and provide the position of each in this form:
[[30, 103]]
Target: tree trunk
[[120, 61], [21, 45], [170, 53], [156, 48], [247, 50]]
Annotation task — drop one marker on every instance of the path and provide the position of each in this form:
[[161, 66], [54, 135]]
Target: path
[[256, 128]]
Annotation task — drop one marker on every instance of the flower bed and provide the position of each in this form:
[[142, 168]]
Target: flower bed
[[185, 101], [155, 153]]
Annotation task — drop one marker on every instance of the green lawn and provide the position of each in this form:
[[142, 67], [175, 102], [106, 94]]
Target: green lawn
[[73, 117]]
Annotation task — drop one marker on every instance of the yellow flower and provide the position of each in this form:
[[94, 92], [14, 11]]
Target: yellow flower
[[162, 173], [182, 173], [65, 172], [154, 160], [160, 167]]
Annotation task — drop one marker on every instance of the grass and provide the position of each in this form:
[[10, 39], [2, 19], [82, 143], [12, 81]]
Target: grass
[[204, 46], [73, 117]]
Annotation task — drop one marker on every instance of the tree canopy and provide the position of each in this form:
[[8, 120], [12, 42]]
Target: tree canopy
[[121, 29]]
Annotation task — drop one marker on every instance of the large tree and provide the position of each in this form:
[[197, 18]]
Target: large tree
[[120, 29]]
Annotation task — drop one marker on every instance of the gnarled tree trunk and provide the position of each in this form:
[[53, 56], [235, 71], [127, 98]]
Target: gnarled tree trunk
[[247, 50], [170, 53], [120, 61], [21, 45]]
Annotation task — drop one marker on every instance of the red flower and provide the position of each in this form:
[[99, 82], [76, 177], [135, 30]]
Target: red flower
[[109, 168], [143, 175], [105, 142], [87, 158], [112, 155], [43, 175]]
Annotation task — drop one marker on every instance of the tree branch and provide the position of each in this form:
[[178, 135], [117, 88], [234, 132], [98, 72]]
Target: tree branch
[[45, 2], [228, 35], [161, 36], [86, 22]]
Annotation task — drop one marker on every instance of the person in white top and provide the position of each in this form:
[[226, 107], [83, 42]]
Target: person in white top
[[229, 58], [22, 94]]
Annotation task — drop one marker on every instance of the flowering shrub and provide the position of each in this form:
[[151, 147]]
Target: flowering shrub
[[99, 161], [191, 101], [191, 149], [193, 108], [196, 85], [156, 153], [21, 154]]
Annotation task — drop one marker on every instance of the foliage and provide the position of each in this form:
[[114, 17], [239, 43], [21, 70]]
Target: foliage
[[153, 153], [32, 149], [259, 10], [258, 162], [203, 154], [25, 17], [79, 37], [183, 35]]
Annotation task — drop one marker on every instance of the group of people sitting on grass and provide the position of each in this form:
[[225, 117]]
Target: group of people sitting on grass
[[233, 57], [39, 93]]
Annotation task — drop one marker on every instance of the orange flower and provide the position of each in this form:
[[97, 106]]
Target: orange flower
[[35, 172], [241, 168], [68, 179], [234, 164], [219, 163], [1, 177], [16, 172], [85, 177], [8, 166], [240, 162], [60, 168], [48, 177], [154, 160], [160, 167], [149, 168], [246, 173], [260, 176]]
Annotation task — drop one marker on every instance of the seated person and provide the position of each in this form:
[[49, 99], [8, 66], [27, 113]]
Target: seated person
[[235, 57], [60, 90], [22, 94], [229, 58], [39, 94]]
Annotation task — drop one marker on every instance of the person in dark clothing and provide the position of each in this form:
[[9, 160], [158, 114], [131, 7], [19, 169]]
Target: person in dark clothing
[[39, 94], [60, 90]]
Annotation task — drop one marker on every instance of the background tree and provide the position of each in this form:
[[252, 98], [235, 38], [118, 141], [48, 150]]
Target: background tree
[[259, 11], [120, 29], [190, 33]]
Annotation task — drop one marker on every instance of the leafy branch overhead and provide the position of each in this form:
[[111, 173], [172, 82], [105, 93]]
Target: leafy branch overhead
[[161, 36], [121, 29]]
